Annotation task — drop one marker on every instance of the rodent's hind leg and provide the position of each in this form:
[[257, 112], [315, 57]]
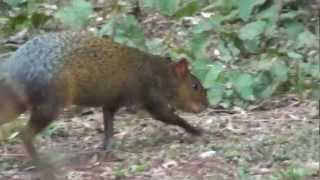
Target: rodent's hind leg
[[11, 106], [9, 111], [41, 116]]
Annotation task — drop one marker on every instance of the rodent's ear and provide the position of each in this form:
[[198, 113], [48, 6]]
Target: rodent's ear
[[181, 68]]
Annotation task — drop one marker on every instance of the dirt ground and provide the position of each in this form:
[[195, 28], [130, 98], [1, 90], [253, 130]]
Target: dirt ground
[[277, 139]]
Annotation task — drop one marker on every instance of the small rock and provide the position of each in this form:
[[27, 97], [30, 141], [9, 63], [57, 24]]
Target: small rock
[[170, 164], [207, 154]]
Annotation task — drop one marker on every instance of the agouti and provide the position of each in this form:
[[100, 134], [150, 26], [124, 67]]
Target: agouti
[[52, 71]]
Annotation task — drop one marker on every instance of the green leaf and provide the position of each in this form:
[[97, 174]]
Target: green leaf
[[243, 85], [207, 25], [293, 28], [215, 93], [307, 39], [198, 43], [291, 15], [15, 23], [128, 31], [252, 45], [225, 51], [246, 7], [167, 7], [270, 14], [226, 5], [294, 55], [109, 27], [39, 19], [252, 30], [262, 85], [279, 71], [201, 67], [76, 14], [187, 10], [213, 74], [233, 15], [149, 3]]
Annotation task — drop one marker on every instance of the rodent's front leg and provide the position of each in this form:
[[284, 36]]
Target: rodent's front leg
[[161, 111]]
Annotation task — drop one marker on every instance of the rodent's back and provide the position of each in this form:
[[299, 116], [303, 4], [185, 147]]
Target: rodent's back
[[82, 69], [117, 73]]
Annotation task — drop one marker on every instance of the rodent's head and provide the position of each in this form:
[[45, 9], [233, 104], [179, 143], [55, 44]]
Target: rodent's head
[[190, 95]]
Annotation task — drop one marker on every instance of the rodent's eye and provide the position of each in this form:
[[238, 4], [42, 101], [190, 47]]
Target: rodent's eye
[[195, 86]]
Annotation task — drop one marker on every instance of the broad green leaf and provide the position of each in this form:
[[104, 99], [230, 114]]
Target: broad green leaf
[[226, 5], [294, 55], [270, 14], [207, 25], [215, 93], [213, 74], [307, 39], [252, 45], [246, 7], [198, 43], [16, 23], [76, 14], [39, 19], [187, 10], [224, 50], [109, 27], [201, 67], [279, 71], [293, 28], [167, 7], [291, 15], [262, 85], [233, 15], [149, 3], [312, 69], [243, 85], [128, 31], [252, 30]]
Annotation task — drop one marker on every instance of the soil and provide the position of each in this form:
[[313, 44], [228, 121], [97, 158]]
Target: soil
[[260, 143]]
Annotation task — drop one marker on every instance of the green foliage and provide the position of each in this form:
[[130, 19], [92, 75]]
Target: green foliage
[[167, 7], [263, 49], [245, 51], [124, 29], [76, 15], [188, 10], [26, 14], [292, 173], [177, 8]]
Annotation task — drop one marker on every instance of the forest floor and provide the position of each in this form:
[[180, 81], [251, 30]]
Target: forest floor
[[277, 139]]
